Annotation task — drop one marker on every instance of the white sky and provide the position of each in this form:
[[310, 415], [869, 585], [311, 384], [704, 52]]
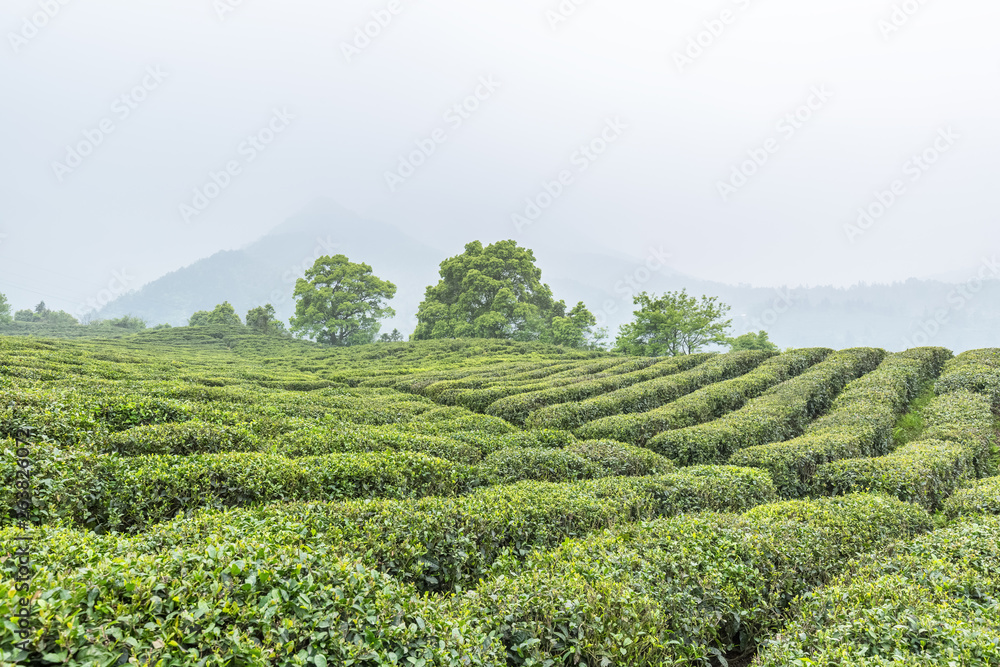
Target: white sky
[[656, 184]]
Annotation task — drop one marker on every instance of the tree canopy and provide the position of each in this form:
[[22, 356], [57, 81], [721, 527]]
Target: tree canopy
[[497, 292], [752, 341], [264, 320], [222, 315], [41, 313], [673, 324], [340, 302], [5, 316]]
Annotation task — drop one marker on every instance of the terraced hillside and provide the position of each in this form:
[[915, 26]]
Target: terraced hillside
[[202, 497]]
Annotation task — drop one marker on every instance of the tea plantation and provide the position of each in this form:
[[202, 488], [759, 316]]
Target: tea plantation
[[204, 496]]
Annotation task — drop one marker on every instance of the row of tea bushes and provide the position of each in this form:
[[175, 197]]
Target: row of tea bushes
[[977, 371], [581, 460], [860, 422], [956, 447], [516, 408], [108, 492], [781, 413], [982, 497], [683, 590], [647, 395], [930, 601], [705, 404]]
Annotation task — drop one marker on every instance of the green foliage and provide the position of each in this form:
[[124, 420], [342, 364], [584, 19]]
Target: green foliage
[[682, 590], [496, 292], [752, 341], [223, 315], [192, 437], [783, 412], [647, 395], [982, 497], [340, 303], [317, 440], [705, 404], [860, 422], [264, 320], [518, 407], [5, 314], [977, 371], [41, 313], [911, 424], [931, 601], [394, 337], [673, 324]]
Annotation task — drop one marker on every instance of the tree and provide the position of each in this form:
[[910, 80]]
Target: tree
[[752, 341], [394, 337], [128, 322], [340, 302], [42, 314], [222, 315], [264, 320], [576, 329], [491, 292], [673, 324], [5, 316]]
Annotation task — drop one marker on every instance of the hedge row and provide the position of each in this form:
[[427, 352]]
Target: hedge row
[[582, 460], [686, 590], [351, 438], [977, 371], [481, 399], [982, 497], [957, 447], [516, 409], [860, 422], [108, 492], [931, 601], [708, 403], [193, 437], [781, 413], [647, 395], [449, 391]]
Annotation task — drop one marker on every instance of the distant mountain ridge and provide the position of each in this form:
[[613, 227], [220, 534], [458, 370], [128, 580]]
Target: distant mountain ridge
[[909, 314]]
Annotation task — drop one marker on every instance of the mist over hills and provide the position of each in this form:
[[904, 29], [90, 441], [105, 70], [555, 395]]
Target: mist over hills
[[957, 315]]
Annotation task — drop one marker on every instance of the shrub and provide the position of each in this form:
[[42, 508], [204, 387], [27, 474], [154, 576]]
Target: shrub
[[193, 437], [540, 464], [516, 409], [781, 413], [982, 497], [931, 601], [680, 590], [617, 458], [353, 438], [859, 424], [705, 404], [977, 371]]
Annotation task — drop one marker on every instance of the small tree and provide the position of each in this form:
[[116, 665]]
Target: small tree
[[222, 315], [264, 320], [752, 341], [128, 322], [5, 316], [340, 302], [575, 329], [673, 324], [394, 337]]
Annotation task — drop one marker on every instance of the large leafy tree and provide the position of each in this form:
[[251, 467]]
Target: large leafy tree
[[575, 329], [340, 302], [491, 292], [222, 315], [673, 324]]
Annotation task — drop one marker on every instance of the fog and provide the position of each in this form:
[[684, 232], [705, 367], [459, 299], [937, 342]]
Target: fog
[[764, 143]]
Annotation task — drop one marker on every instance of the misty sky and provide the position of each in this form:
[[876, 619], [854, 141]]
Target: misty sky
[[115, 114]]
